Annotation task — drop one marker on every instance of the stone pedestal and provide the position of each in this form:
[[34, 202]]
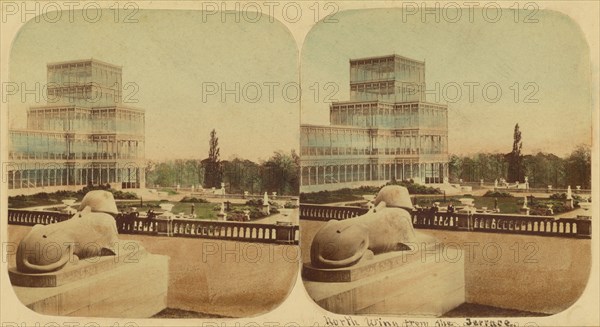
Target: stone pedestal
[[429, 282], [266, 209], [164, 226], [132, 284], [569, 203]]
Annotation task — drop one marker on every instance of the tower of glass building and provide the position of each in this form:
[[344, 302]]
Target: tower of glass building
[[84, 134], [387, 130]]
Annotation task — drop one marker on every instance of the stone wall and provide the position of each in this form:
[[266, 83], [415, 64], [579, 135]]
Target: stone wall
[[545, 274], [236, 279]]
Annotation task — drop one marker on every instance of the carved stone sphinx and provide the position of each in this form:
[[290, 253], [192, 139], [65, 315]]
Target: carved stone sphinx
[[91, 232], [386, 227]]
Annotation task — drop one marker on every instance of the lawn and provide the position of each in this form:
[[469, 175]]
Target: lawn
[[201, 210], [506, 205], [25, 202]]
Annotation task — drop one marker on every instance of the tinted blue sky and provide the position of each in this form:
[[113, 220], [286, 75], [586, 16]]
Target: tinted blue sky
[[552, 54], [170, 55]]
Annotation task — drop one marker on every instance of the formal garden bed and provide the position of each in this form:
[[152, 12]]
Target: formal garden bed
[[503, 201], [348, 194], [206, 210], [55, 198]]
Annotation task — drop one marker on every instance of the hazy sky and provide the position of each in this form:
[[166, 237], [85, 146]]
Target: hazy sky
[[551, 53], [171, 55]]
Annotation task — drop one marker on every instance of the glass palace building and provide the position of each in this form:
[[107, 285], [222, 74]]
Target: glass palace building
[[386, 131], [83, 135]]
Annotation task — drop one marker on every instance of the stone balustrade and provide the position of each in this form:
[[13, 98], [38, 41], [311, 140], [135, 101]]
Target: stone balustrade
[[496, 223], [31, 217], [326, 212], [133, 224]]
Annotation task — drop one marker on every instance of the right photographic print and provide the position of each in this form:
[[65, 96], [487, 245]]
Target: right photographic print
[[446, 162]]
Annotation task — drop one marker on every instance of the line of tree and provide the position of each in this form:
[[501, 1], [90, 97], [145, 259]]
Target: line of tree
[[280, 173], [542, 169], [277, 174]]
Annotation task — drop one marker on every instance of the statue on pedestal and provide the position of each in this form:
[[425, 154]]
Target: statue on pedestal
[[525, 209], [222, 214], [569, 201], [91, 232], [266, 207], [386, 227]]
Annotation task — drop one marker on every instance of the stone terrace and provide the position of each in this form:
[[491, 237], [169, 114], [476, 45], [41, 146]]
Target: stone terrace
[[228, 278]]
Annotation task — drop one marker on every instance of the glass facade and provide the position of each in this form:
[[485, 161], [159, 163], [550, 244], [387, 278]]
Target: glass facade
[[387, 130], [390, 79], [79, 142], [88, 83]]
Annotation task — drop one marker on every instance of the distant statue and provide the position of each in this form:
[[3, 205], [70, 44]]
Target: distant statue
[[91, 232], [387, 227], [450, 208]]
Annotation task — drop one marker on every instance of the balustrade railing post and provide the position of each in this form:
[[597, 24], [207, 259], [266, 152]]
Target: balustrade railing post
[[584, 228]]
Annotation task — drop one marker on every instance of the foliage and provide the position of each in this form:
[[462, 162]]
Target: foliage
[[191, 199], [290, 205], [414, 188], [169, 191], [252, 202], [558, 196], [540, 208], [542, 169], [280, 173], [487, 166], [43, 198], [174, 172], [242, 175], [341, 195], [277, 174], [578, 167], [498, 194], [348, 194], [213, 173]]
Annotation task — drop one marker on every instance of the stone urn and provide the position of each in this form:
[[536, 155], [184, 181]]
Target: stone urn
[[167, 207]]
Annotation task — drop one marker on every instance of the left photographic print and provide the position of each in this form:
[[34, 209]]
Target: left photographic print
[[151, 163]]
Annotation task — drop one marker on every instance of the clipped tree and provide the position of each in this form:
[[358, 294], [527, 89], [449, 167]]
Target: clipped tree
[[515, 158], [212, 164]]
